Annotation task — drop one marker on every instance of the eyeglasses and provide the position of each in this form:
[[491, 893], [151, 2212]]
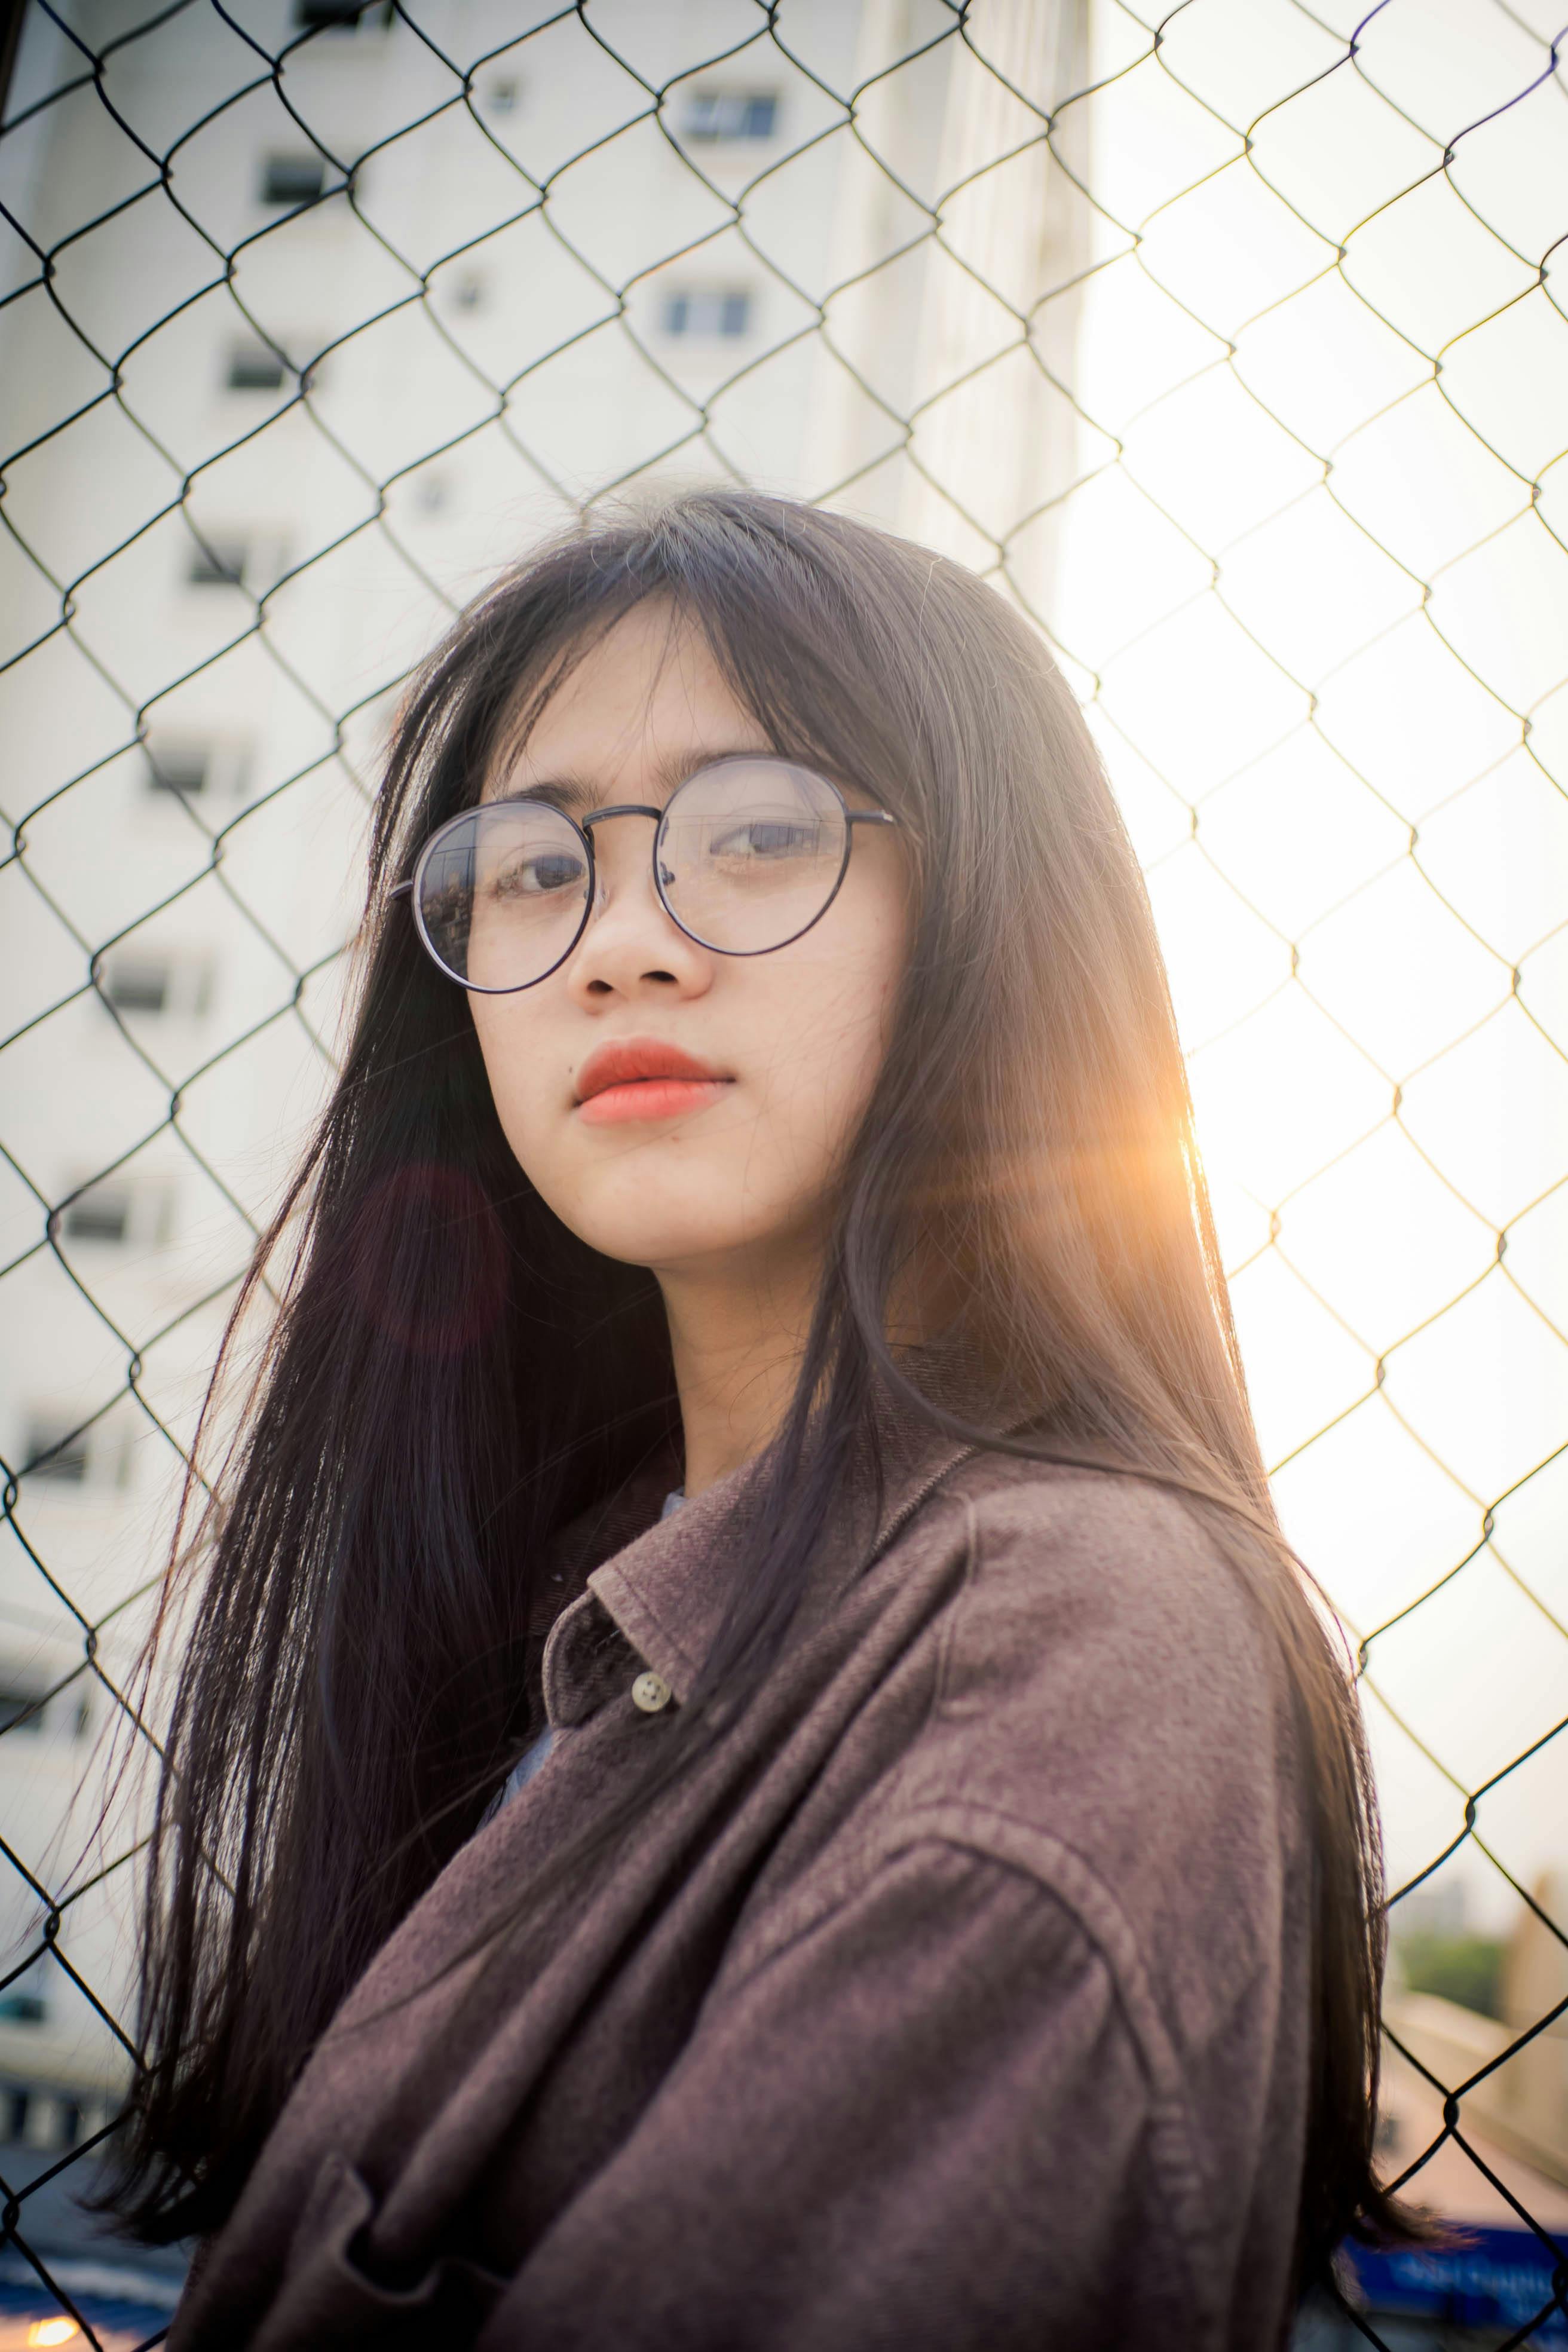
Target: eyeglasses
[[748, 853]]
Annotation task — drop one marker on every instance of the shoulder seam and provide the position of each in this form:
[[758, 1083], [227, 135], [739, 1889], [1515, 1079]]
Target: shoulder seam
[[1064, 1878], [1063, 1874]]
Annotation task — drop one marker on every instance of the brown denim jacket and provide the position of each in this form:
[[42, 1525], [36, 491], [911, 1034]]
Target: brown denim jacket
[[957, 1998]]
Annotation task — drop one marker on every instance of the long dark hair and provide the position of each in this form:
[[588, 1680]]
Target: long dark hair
[[452, 1374]]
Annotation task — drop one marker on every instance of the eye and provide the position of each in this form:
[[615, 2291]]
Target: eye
[[541, 875], [764, 837]]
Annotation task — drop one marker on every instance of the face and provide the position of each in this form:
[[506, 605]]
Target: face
[[735, 1169]]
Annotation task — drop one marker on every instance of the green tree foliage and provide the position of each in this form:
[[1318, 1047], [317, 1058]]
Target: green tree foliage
[[1464, 1969]]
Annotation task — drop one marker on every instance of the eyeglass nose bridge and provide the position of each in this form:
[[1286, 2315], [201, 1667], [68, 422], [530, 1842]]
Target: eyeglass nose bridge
[[620, 808], [597, 816]]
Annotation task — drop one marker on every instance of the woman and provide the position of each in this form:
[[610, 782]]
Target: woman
[[752, 1767]]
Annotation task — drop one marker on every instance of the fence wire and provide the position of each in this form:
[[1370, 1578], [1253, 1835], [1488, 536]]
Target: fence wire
[[1233, 347]]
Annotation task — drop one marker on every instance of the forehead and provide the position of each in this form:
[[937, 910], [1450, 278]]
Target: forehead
[[645, 703]]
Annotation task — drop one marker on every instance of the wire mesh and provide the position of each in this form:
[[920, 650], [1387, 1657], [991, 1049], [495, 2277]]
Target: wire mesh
[[1233, 348]]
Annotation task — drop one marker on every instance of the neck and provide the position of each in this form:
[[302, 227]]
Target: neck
[[737, 1341]]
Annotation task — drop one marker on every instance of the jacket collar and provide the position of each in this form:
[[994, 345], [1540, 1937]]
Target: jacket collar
[[664, 1594]]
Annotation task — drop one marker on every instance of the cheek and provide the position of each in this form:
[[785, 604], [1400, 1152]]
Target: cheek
[[827, 1024], [517, 1074]]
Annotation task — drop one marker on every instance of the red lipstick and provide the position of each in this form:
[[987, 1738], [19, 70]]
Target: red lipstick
[[641, 1077]]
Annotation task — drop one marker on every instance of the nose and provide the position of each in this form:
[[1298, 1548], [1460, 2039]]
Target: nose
[[630, 947]]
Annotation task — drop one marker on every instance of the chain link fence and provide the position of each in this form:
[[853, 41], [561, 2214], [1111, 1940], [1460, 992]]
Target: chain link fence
[[1233, 348]]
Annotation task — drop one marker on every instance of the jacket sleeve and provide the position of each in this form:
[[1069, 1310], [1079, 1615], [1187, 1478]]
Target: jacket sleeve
[[922, 2123]]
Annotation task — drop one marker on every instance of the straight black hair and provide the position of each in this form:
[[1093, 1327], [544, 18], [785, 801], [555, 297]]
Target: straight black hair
[[453, 1375]]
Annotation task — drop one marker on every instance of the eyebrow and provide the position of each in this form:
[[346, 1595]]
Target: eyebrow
[[574, 795]]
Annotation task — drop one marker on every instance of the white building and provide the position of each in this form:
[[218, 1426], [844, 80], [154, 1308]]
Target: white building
[[325, 343]]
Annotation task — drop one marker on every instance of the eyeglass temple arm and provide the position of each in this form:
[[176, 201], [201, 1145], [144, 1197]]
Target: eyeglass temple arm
[[401, 890], [870, 817]]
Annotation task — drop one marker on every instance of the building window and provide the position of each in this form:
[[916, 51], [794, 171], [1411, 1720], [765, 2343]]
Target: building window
[[182, 768], [341, 15], [257, 367], [134, 985], [20, 1709], [254, 367], [25, 2001], [705, 310], [196, 767], [233, 555], [100, 1214], [715, 114], [217, 563], [57, 1452], [136, 1207], [292, 179], [135, 981]]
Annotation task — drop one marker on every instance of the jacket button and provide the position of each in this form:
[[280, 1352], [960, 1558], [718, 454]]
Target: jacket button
[[651, 1692]]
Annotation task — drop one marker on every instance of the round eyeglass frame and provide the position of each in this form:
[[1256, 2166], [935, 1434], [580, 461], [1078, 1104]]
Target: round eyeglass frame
[[581, 827]]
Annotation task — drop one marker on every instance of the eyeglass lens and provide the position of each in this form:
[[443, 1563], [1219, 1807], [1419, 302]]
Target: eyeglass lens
[[747, 857]]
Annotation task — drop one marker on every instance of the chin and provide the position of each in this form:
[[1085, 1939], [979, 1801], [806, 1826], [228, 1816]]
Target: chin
[[640, 1227], [662, 1246], [697, 1223]]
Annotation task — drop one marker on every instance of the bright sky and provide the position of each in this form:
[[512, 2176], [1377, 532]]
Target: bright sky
[[1317, 592]]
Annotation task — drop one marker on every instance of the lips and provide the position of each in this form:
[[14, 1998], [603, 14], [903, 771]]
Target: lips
[[641, 1081]]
